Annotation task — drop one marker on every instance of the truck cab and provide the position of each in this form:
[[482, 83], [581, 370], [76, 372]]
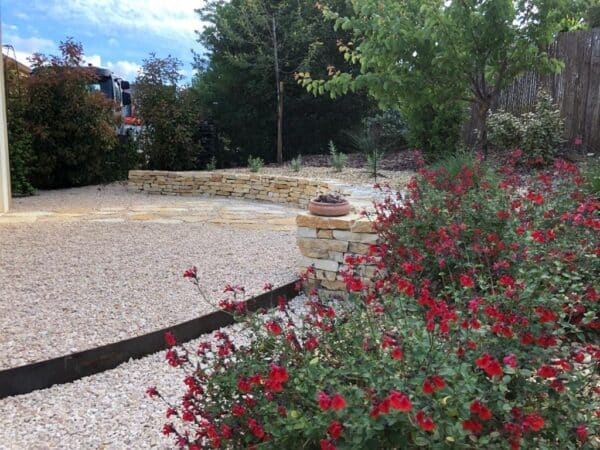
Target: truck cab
[[115, 89]]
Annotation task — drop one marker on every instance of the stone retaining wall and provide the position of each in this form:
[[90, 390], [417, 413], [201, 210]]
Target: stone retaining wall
[[325, 242], [273, 188]]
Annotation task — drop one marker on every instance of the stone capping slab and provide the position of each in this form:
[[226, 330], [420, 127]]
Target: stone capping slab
[[296, 191], [64, 369], [325, 242]]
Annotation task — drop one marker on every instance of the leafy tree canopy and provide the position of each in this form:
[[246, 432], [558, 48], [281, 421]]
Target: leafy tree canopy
[[433, 51]]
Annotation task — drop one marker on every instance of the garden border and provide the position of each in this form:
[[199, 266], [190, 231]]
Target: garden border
[[68, 368], [297, 191]]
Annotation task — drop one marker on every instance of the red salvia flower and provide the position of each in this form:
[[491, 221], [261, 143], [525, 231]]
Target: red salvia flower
[[335, 429], [546, 371], [338, 402], [481, 410], [324, 401], [399, 401], [273, 327], [466, 281], [533, 422], [425, 422], [170, 339], [473, 426]]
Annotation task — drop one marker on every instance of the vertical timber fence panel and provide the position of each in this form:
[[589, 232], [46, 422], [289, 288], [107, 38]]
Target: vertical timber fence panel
[[576, 89]]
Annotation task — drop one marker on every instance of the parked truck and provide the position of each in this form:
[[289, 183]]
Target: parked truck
[[117, 90]]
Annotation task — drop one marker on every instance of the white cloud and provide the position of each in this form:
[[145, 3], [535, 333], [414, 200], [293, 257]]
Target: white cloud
[[30, 44], [125, 69], [94, 60], [173, 21], [25, 47], [113, 42]]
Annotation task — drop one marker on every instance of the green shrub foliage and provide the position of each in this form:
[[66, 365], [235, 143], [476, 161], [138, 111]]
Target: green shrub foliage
[[538, 133], [171, 115], [255, 164], [19, 137], [72, 130]]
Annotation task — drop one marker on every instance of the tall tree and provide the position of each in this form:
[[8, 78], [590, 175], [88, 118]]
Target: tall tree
[[170, 138], [463, 50], [255, 47]]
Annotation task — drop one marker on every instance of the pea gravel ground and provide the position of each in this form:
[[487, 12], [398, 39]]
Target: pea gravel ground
[[70, 285], [105, 411]]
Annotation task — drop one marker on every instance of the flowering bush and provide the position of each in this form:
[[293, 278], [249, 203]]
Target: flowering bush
[[538, 133], [480, 331]]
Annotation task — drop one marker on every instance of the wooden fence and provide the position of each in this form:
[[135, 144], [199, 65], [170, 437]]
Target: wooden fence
[[576, 89]]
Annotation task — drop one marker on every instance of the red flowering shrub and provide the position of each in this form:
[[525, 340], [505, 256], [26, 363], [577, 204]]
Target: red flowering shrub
[[477, 333]]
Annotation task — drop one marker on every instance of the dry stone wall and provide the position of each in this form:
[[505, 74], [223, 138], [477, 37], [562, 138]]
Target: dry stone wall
[[325, 242], [273, 188]]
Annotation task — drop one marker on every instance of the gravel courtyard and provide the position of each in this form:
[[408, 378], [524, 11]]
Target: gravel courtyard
[[89, 266]]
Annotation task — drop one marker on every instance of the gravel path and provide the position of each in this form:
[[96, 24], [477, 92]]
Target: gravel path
[[67, 286], [105, 411]]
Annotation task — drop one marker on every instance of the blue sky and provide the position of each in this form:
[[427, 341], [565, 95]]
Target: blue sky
[[117, 34]]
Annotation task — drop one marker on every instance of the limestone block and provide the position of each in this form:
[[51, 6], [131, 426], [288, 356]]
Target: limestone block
[[324, 234], [320, 248], [330, 223], [335, 285], [323, 264], [358, 248], [365, 238], [306, 232]]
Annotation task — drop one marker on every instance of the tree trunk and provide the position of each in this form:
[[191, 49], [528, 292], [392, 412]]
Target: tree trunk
[[279, 89], [483, 108], [280, 124]]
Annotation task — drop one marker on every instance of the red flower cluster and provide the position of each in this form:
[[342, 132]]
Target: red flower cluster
[[433, 383], [336, 402], [490, 365]]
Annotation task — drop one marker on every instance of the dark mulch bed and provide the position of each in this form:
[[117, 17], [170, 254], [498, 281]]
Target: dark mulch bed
[[400, 160]]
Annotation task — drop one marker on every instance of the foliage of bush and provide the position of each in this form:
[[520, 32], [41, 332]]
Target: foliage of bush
[[338, 159], [593, 16], [434, 128], [538, 133], [212, 164], [480, 331], [506, 130], [591, 174], [19, 136], [255, 164], [389, 129], [72, 129], [171, 115], [296, 163], [122, 158]]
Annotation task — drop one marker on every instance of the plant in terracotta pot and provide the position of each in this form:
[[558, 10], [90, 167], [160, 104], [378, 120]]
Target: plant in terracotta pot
[[330, 205]]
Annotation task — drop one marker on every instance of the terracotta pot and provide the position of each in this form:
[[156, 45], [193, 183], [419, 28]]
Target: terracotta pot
[[329, 209]]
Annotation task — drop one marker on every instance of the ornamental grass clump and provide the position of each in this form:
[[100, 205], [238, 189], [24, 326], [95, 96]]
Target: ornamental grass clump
[[480, 331]]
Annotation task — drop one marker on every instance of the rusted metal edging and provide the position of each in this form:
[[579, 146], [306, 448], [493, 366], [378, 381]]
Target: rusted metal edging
[[64, 369]]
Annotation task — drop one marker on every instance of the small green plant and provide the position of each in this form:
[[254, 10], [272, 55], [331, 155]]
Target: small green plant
[[338, 159], [296, 163], [255, 164], [212, 164], [374, 158]]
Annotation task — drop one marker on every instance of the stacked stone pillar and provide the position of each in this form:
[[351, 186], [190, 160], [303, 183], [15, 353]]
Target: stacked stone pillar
[[325, 242]]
